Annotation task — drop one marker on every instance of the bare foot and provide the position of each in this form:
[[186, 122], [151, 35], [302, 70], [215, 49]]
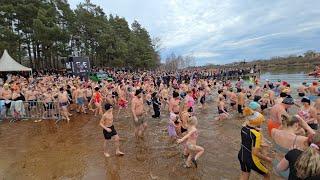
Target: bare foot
[[106, 155], [119, 153]]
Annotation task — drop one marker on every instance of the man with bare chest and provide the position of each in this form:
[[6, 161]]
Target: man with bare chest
[[138, 113], [109, 131]]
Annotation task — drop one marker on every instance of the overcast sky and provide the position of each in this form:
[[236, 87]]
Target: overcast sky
[[223, 31]]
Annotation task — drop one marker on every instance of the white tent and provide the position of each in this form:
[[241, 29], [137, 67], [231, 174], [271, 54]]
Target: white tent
[[7, 63]]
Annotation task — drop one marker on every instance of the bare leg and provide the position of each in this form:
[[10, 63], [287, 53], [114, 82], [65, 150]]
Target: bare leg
[[188, 162], [105, 151], [117, 144], [244, 175], [266, 176], [199, 153]]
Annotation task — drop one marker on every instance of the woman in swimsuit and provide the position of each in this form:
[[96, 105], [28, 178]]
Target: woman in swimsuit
[[191, 143], [308, 113], [287, 138], [97, 100]]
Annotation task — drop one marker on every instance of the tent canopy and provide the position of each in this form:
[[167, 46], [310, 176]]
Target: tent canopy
[[7, 63]]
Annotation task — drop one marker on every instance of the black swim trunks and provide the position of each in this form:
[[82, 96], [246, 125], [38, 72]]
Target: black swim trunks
[[7, 104], [48, 106], [263, 107], [301, 94], [256, 98], [32, 103], [108, 135], [232, 104], [202, 99], [313, 126], [183, 130], [221, 112], [240, 110]]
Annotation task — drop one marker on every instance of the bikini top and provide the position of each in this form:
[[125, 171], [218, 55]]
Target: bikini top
[[194, 135], [283, 149]]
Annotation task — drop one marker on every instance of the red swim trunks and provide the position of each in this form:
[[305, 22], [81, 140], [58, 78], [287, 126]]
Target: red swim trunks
[[123, 103], [272, 124]]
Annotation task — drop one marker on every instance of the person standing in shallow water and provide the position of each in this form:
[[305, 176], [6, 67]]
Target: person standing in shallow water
[[109, 131], [138, 113]]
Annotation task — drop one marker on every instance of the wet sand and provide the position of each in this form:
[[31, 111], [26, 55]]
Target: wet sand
[[47, 150]]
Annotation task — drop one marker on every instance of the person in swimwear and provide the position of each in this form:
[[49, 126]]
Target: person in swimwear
[[79, 96], [122, 101], [308, 113], [109, 131], [138, 112], [250, 153], [302, 89], [63, 103], [97, 100], [241, 100], [264, 102], [191, 143], [222, 110], [277, 111], [233, 99]]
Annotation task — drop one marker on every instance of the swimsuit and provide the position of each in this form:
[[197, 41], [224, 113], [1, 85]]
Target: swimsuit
[[97, 98], [80, 101], [221, 112], [141, 121], [108, 135], [240, 110], [250, 138], [272, 124], [203, 99], [63, 104], [122, 103], [301, 94], [48, 105]]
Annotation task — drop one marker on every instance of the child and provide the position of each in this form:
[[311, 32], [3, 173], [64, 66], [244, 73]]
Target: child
[[156, 105], [191, 143], [251, 141]]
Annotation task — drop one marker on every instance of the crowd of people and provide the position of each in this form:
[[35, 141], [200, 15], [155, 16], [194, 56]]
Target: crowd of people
[[292, 124]]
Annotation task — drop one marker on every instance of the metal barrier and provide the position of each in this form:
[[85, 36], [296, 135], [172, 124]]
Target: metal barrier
[[24, 110]]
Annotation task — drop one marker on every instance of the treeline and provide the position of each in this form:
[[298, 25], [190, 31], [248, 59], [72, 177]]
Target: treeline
[[45, 31], [174, 62], [309, 59]]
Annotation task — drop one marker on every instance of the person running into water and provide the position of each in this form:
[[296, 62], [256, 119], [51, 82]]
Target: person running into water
[[97, 100], [138, 113], [277, 111], [233, 99], [264, 102], [222, 110], [302, 89], [241, 100], [191, 143], [308, 113], [109, 131], [122, 101], [250, 152], [79, 96], [63, 103]]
